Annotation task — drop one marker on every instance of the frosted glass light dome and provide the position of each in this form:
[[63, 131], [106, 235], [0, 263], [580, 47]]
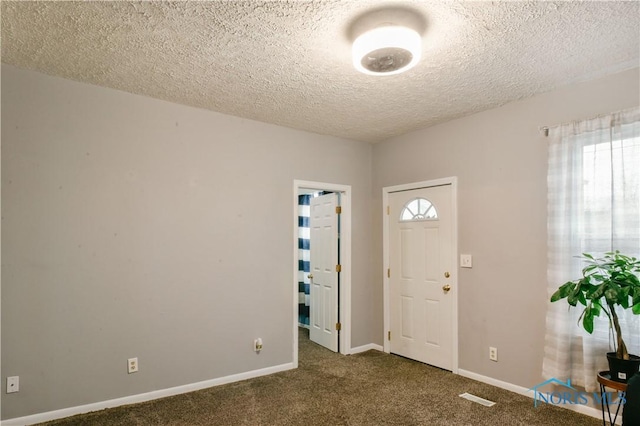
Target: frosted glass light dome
[[386, 50]]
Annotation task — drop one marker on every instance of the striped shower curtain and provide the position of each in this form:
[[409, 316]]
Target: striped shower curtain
[[303, 258]]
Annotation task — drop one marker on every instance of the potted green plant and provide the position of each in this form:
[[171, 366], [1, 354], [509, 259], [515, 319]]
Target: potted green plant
[[607, 282]]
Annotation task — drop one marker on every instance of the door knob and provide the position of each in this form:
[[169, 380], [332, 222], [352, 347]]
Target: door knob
[[446, 288], [447, 275], [310, 276]]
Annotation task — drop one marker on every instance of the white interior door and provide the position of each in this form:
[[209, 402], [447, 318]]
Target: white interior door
[[421, 278], [323, 221]]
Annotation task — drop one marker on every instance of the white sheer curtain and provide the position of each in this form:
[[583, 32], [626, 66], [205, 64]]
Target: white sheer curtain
[[593, 206]]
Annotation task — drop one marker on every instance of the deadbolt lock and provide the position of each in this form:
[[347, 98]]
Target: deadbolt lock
[[447, 274]]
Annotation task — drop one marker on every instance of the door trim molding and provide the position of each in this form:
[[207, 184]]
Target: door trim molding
[[345, 261], [453, 181]]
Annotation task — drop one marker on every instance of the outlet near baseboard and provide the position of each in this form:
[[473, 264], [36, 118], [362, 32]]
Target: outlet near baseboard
[[257, 345], [132, 365], [493, 354]]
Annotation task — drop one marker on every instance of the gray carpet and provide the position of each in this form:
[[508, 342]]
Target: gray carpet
[[371, 388]]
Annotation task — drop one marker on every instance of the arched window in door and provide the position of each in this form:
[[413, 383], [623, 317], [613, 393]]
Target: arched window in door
[[418, 209]]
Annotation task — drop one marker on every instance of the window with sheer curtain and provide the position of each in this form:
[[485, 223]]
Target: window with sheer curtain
[[593, 207]]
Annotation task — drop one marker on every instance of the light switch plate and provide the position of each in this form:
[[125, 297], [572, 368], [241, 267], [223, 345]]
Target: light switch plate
[[13, 384], [466, 261]]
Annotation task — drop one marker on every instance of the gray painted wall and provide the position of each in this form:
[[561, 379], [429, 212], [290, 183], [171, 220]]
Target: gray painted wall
[[134, 227], [500, 158]]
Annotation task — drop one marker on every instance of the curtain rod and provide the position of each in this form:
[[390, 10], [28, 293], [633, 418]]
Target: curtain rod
[[545, 129]]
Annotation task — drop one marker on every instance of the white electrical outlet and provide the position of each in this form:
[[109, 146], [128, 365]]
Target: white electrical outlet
[[132, 365], [13, 384], [257, 345], [493, 354]]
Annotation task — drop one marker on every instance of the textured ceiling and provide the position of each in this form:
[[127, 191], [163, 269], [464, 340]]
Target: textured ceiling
[[288, 62]]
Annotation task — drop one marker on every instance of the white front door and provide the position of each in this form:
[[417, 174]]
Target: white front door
[[421, 262], [323, 221]]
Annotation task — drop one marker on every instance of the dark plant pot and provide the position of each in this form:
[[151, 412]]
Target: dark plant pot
[[622, 370]]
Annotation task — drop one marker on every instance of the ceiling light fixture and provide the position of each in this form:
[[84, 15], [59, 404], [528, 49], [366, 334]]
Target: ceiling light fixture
[[387, 50]]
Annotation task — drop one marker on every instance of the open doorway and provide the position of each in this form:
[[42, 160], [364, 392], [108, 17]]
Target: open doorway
[[343, 268]]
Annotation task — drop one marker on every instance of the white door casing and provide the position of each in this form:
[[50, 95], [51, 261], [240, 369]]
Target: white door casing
[[323, 224], [421, 286]]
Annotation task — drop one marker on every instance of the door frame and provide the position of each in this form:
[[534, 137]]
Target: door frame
[[344, 311], [453, 181]]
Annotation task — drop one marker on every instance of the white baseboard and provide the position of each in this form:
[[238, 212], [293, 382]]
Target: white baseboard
[[143, 397], [495, 382], [582, 409], [365, 348]]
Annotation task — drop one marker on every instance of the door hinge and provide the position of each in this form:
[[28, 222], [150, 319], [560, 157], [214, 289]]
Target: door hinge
[[388, 335], [388, 272], [338, 209], [338, 268], [388, 211], [338, 326]]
